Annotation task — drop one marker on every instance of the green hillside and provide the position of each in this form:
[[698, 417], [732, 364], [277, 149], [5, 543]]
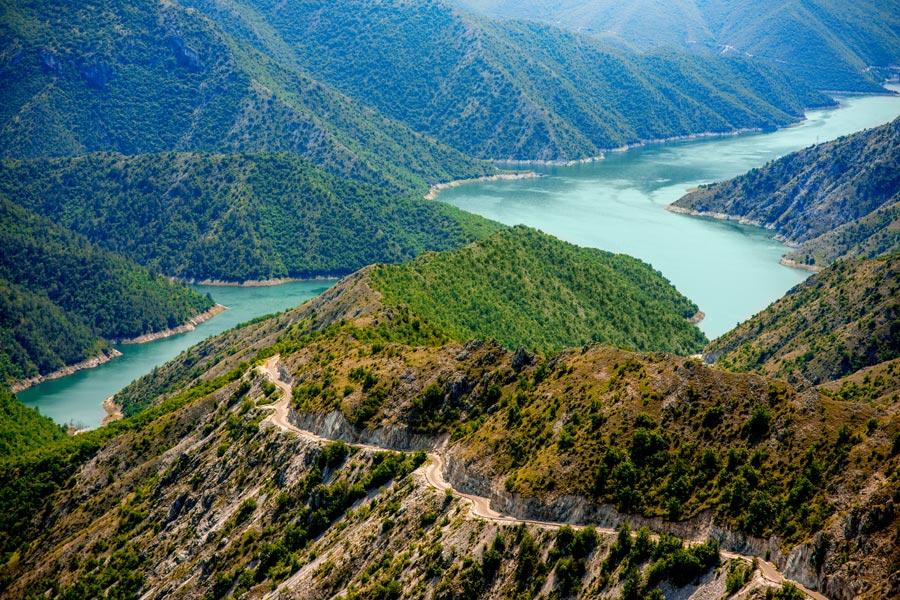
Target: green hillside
[[833, 45], [234, 217], [836, 199], [142, 77], [22, 428], [525, 288], [835, 323], [345, 84], [511, 90], [60, 295], [38, 337]]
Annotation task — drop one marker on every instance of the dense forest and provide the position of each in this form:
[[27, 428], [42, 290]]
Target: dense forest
[[61, 296], [234, 217], [143, 77], [23, 429], [512, 90], [524, 288], [367, 91], [830, 44], [833, 200], [835, 323]]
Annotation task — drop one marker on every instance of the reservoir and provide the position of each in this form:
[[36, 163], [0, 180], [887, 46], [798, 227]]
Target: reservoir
[[618, 204], [77, 399]]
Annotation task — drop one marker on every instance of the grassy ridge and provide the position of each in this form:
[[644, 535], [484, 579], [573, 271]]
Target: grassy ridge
[[523, 287], [234, 217]]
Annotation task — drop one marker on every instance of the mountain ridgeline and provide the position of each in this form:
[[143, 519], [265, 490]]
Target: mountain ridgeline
[[362, 90], [833, 200], [62, 297], [830, 44], [234, 217]]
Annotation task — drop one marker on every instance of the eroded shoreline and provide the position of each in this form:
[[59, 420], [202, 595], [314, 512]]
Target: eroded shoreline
[[189, 325], [108, 355]]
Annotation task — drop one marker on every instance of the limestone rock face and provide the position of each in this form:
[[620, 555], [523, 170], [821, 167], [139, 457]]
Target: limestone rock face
[[96, 73], [186, 56]]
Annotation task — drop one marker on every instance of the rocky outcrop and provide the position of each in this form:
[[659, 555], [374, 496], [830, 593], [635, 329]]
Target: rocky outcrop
[[96, 73], [335, 426]]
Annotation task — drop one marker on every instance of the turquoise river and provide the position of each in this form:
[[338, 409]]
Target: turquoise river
[[618, 204]]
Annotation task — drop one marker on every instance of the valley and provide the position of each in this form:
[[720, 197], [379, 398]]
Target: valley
[[449, 300]]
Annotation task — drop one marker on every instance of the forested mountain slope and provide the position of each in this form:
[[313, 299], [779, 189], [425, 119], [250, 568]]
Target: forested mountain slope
[[504, 90], [23, 428], [589, 435], [835, 323], [522, 287], [234, 217], [140, 77], [257, 76], [837, 199], [833, 45], [61, 296]]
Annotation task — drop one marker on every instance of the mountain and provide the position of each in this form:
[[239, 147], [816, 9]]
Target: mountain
[[833, 200], [61, 297], [215, 489], [521, 287], [503, 90], [835, 323], [148, 77], [361, 90], [830, 44], [234, 217]]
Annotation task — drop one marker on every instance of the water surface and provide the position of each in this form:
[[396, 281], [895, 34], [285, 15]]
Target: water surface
[[77, 399], [618, 204]]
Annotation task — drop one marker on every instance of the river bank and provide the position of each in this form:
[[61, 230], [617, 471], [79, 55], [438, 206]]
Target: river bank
[[189, 325], [108, 355], [433, 192], [89, 363], [113, 411], [259, 282]]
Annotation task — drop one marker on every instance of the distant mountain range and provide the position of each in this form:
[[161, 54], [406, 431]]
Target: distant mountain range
[[379, 92], [831, 44]]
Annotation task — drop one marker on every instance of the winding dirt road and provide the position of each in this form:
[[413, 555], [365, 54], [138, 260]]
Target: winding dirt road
[[480, 506]]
